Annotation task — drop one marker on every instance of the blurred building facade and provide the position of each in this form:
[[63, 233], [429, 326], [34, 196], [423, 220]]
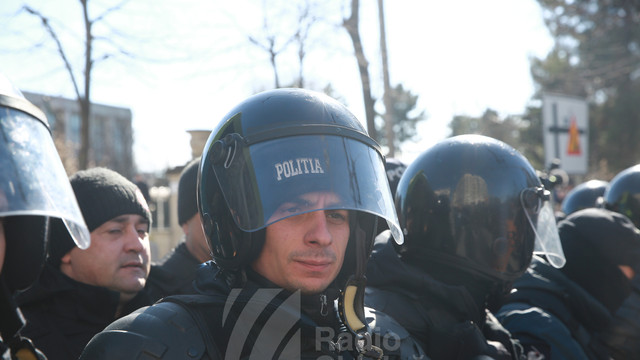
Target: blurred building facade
[[110, 137], [167, 232], [111, 146]]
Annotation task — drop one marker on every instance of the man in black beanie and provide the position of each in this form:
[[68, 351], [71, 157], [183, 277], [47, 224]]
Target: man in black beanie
[[82, 291], [174, 274], [563, 313]]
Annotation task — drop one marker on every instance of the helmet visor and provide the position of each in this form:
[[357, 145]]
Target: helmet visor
[[33, 180], [267, 181], [536, 204]]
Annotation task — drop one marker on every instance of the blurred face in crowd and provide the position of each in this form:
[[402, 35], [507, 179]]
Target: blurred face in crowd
[[118, 258], [195, 240], [305, 252]]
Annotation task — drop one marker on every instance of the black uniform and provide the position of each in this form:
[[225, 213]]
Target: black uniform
[[553, 316], [173, 275], [569, 312], [63, 314], [216, 324], [444, 318], [623, 334]]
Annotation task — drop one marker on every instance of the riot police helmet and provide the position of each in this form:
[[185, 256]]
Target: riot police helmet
[[622, 195], [33, 188], [274, 147], [475, 204], [586, 195]]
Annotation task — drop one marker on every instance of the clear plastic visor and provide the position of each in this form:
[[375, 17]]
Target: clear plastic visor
[[537, 205], [32, 178], [280, 178]]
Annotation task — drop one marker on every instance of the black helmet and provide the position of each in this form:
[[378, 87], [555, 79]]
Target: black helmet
[[474, 203], [622, 195], [33, 187], [586, 195], [275, 146]]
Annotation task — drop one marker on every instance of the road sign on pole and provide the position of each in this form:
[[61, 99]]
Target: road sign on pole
[[565, 123]]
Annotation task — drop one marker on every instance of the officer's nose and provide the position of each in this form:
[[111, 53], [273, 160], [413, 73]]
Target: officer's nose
[[318, 229]]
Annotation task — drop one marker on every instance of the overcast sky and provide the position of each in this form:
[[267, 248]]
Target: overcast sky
[[193, 60]]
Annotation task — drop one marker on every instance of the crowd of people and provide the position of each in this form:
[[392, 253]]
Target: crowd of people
[[301, 241]]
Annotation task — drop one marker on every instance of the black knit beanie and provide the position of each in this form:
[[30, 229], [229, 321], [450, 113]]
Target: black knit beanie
[[187, 190], [595, 241], [102, 195]]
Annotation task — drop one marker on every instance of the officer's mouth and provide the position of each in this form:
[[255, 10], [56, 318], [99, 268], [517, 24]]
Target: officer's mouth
[[132, 264], [315, 265]]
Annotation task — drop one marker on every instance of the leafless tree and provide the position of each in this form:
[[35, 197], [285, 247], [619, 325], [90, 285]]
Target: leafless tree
[[306, 19], [351, 25], [83, 96], [388, 102], [275, 43]]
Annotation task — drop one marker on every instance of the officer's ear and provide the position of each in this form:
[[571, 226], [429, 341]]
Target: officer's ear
[[66, 259], [65, 264], [627, 271]]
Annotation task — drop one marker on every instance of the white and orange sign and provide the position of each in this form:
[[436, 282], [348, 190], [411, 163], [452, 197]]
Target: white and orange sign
[[565, 122]]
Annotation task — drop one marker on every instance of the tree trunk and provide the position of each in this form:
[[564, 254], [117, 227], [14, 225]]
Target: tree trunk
[[388, 102], [85, 100], [351, 24]]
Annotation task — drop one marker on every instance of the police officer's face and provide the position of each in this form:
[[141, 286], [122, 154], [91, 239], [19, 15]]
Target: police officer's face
[[117, 259], [305, 252]]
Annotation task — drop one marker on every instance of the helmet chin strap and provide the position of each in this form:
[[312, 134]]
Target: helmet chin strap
[[351, 302], [12, 322]]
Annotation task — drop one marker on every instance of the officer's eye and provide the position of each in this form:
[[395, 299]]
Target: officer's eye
[[293, 207], [337, 216], [143, 232]]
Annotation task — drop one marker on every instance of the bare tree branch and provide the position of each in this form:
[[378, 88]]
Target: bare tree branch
[[351, 25], [54, 36], [388, 103], [110, 10]]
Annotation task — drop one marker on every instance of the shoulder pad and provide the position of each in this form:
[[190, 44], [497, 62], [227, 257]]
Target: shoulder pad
[[384, 324], [395, 341], [161, 331]]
